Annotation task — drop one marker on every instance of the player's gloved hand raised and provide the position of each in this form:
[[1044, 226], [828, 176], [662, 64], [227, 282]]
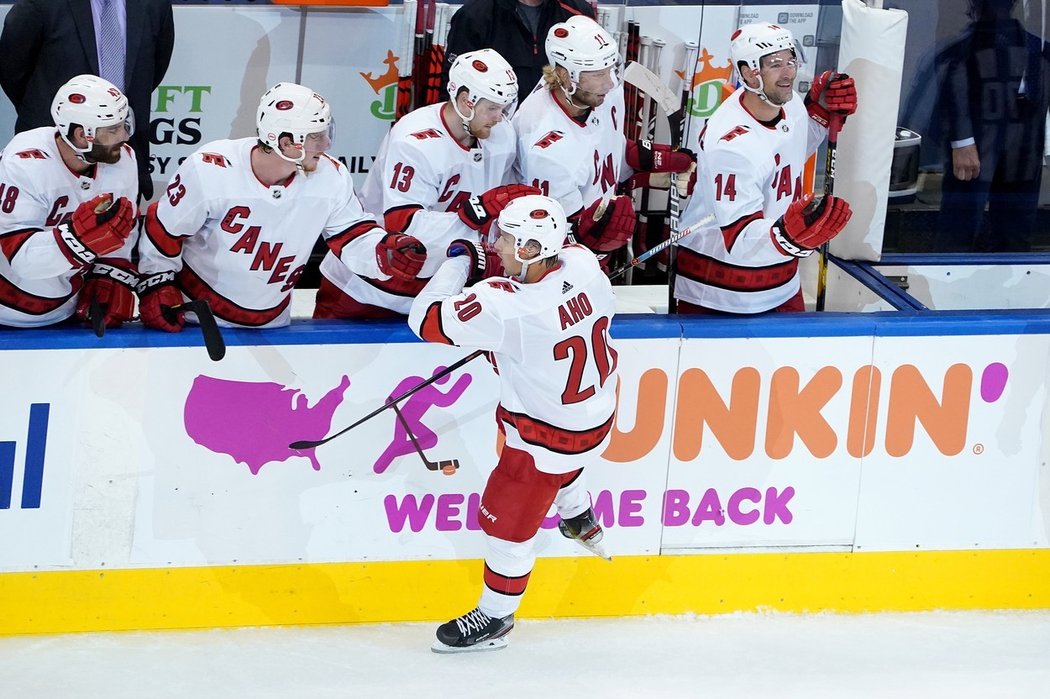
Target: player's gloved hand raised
[[609, 229], [809, 223], [111, 284], [475, 252], [645, 156], [99, 226], [158, 295], [400, 256], [479, 210], [831, 93]]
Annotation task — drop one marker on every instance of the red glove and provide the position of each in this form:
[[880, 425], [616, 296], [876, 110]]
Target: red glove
[[478, 211], [646, 156], [99, 226], [831, 93], [684, 181], [157, 296], [613, 227], [475, 252], [809, 223], [400, 256], [110, 283]]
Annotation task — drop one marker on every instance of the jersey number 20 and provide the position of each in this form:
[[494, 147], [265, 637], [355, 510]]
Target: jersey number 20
[[577, 350]]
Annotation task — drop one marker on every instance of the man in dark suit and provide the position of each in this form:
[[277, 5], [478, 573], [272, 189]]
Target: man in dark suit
[[516, 29], [47, 42]]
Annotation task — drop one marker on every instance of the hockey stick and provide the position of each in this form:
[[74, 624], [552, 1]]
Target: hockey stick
[[650, 223], [418, 56], [97, 318], [404, 76], [448, 466], [309, 444], [648, 82], [671, 240], [678, 123], [834, 125], [435, 54], [213, 341], [631, 94]]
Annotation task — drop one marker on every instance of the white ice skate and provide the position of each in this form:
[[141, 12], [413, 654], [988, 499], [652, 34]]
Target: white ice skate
[[586, 531]]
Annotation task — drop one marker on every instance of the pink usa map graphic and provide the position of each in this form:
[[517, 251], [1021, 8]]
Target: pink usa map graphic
[[254, 422]]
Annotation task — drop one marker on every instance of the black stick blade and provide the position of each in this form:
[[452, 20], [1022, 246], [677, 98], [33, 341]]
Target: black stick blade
[[213, 340], [305, 444], [97, 318]]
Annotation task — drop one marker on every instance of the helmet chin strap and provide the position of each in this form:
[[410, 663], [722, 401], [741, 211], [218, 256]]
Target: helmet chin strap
[[465, 118], [759, 91], [569, 93]]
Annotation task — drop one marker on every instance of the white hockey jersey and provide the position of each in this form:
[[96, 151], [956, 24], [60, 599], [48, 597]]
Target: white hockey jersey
[[575, 162], [38, 283], [421, 178], [550, 345], [748, 175], [243, 245]]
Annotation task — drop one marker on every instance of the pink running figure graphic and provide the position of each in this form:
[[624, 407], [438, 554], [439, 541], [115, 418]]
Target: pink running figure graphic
[[412, 410]]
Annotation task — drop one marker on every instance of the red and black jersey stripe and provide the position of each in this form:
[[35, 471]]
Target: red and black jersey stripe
[[31, 304], [707, 270], [399, 218], [731, 232], [11, 243], [556, 439], [338, 241], [168, 244], [222, 307]]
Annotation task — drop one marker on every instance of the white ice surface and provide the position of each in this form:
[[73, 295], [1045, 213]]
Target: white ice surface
[[955, 655]]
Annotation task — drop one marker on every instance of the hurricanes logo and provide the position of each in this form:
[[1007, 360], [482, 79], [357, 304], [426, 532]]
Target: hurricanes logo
[[707, 85], [385, 86]]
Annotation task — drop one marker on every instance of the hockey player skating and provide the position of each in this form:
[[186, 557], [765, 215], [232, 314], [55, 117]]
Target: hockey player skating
[[441, 174], [67, 211], [239, 220], [547, 327], [752, 154], [570, 136]]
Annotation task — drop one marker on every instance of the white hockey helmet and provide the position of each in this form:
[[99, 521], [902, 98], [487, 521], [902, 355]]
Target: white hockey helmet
[[287, 108], [486, 75], [534, 217], [751, 42], [580, 44], [92, 103]]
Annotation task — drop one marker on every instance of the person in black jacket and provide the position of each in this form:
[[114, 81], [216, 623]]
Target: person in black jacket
[[514, 28], [46, 43], [995, 80]]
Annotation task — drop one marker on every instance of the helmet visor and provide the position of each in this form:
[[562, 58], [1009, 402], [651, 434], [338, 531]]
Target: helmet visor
[[116, 133], [602, 80]]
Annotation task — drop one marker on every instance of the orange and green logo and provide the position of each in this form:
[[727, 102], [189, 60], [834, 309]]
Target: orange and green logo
[[385, 86], [707, 85]]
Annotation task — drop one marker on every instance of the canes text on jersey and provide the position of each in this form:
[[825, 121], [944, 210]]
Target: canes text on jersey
[[267, 256]]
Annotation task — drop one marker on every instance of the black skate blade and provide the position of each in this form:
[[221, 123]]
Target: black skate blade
[[486, 645]]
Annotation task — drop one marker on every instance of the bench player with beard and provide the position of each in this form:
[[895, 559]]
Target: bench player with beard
[[441, 174], [571, 143], [67, 212], [239, 219], [753, 151], [546, 327]]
